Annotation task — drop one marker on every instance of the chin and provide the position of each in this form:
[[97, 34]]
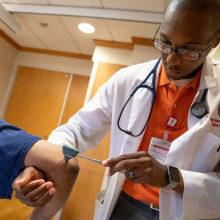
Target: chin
[[174, 75]]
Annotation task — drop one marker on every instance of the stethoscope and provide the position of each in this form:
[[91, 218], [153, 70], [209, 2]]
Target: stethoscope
[[198, 109]]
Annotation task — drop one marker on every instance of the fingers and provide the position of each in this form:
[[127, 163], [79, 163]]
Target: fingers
[[25, 176], [112, 161], [25, 179], [37, 197], [31, 189], [36, 193], [46, 197], [31, 186], [39, 174], [28, 174], [41, 201], [140, 180], [146, 169], [130, 164], [138, 172]]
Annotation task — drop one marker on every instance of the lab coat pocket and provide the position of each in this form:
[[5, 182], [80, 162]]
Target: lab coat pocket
[[99, 201], [208, 154]]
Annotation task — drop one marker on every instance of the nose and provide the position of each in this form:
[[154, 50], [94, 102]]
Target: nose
[[173, 59]]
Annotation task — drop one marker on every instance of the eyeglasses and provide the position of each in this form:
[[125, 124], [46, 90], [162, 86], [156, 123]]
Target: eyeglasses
[[182, 53]]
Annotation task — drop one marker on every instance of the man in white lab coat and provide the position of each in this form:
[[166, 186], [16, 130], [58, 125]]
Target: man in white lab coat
[[190, 184]]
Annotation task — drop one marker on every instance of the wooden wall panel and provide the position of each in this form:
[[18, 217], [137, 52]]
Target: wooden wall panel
[[81, 203], [76, 96], [104, 72], [14, 209], [36, 100]]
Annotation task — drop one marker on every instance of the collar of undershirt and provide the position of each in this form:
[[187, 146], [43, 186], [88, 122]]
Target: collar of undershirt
[[182, 82]]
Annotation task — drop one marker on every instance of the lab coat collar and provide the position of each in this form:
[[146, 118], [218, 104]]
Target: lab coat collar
[[207, 79]]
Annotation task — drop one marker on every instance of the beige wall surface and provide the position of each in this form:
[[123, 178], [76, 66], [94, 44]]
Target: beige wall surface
[[216, 57], [55, 63], [8, 56], [142, 54], [139, 54]]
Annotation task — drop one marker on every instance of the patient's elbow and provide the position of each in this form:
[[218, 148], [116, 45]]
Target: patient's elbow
[[67, 170], [73, 167]]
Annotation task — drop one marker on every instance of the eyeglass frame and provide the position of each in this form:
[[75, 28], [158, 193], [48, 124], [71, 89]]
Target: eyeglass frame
[[174, 49]]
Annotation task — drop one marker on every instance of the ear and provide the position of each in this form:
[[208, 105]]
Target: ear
[[217, 42]]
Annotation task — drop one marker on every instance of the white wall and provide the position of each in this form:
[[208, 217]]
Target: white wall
[[55, 63], [8, 56], [140, 54], [112, 55]]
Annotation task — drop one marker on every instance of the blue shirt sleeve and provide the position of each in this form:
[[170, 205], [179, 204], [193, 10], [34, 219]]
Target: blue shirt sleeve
[[14, 145]]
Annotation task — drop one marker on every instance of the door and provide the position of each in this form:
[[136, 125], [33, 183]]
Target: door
[[36, 100]]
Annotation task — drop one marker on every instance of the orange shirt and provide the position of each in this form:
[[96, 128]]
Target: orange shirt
[[169, 102]]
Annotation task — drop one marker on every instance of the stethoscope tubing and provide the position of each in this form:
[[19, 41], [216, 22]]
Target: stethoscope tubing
[[142, 85], [153, 91]]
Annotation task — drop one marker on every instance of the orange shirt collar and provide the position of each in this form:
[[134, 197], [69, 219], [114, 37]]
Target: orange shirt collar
[[163, 79]]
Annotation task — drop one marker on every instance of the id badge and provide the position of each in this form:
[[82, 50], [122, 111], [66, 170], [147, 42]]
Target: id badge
[[159, 149]]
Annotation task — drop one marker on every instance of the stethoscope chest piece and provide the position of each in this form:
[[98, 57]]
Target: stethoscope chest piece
[[199, 109]]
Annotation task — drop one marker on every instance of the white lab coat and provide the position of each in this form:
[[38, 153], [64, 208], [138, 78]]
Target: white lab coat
[[194, 153]]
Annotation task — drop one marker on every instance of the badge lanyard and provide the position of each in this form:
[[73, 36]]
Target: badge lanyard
[[170, 123]]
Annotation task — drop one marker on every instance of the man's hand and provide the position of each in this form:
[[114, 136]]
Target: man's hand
[[31, 189], [145, 168]]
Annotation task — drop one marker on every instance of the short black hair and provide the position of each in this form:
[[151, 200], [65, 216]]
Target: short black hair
[[207, 7]]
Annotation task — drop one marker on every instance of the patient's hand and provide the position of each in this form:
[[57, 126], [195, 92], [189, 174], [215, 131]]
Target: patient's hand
[[31, 188]]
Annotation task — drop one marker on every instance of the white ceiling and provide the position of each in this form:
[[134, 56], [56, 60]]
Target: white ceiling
[[62, 33], [134, 5]]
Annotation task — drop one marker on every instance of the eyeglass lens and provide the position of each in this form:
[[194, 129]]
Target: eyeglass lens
[[182, 53]]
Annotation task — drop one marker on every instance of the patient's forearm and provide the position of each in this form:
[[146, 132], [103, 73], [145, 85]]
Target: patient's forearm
[[49, 158]]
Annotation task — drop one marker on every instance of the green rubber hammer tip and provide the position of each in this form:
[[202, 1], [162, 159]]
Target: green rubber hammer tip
[[69, 152]]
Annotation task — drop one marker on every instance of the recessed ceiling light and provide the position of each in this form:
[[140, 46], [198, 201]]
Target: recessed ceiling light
[[86, 28]]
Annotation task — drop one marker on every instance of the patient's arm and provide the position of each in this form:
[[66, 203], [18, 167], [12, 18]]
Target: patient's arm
[[50, 159]]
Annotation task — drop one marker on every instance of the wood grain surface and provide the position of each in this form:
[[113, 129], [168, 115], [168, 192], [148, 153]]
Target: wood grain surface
[[36, 100]]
